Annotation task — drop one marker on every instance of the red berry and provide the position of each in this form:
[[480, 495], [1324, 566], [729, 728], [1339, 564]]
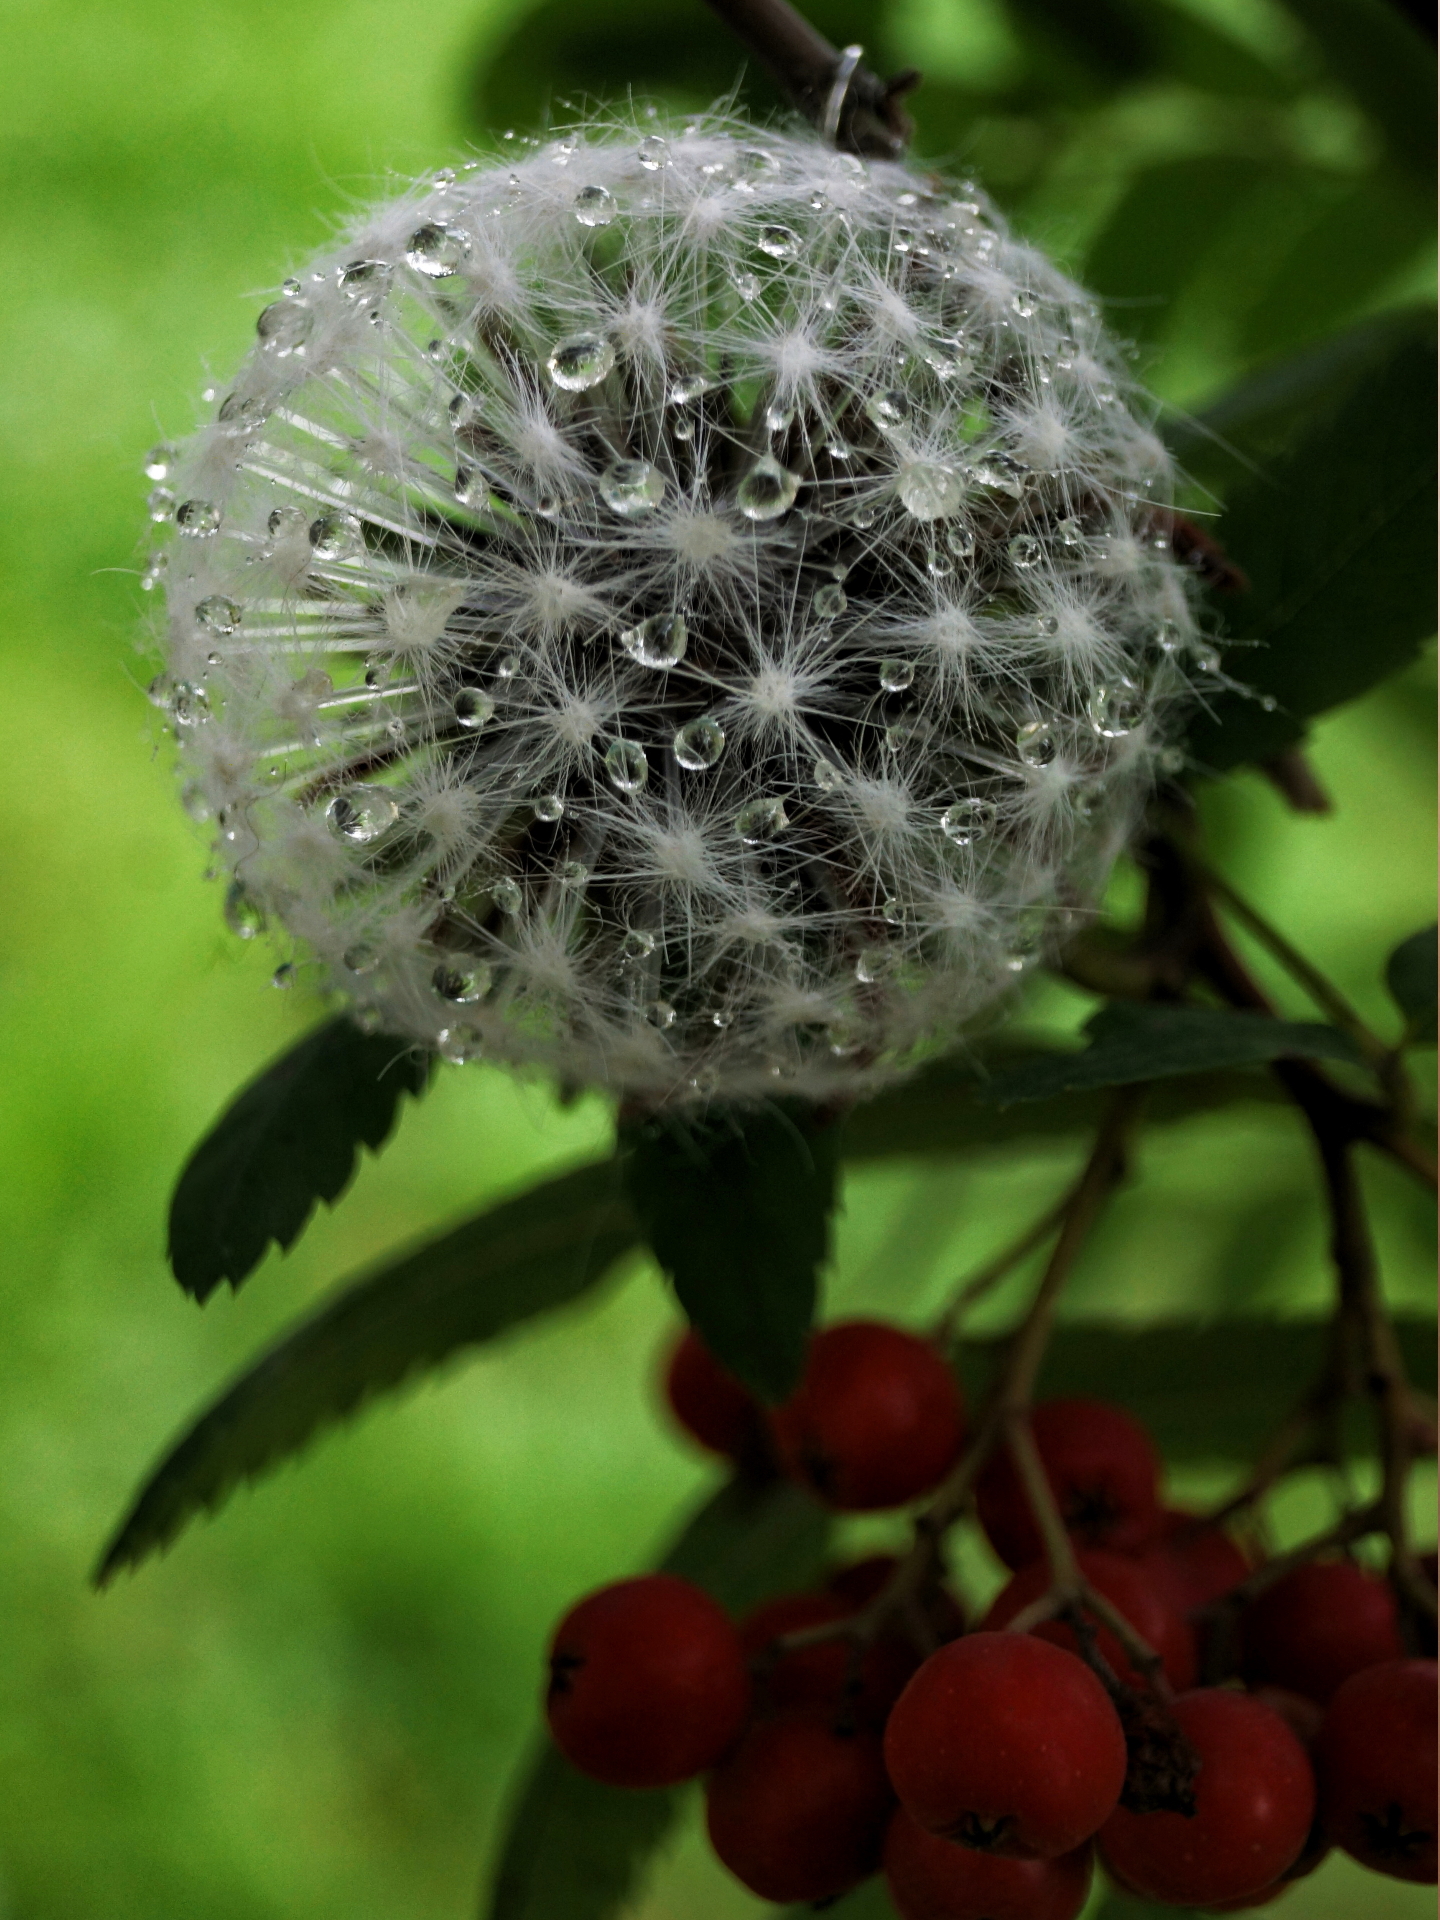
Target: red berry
[[1103, 1468], [1191, 1563], [825, 1674], [878, 1418], [798, 1811], [1006, 1744], [648, 1683], [1377, 1769], [1316, 1626], [711, 1404], [1129, 1590], [1254, 1801], [934, 1879]]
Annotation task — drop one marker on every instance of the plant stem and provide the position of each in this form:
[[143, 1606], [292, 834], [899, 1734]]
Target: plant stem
[[995, 1270]]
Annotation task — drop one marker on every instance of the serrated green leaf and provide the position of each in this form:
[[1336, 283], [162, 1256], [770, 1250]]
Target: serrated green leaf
[[1337, 539], [1130, 1043], [522, 1258], [574, 1849], [736, 1208], [1410, 974], [291, 1138], [1211, 1392]]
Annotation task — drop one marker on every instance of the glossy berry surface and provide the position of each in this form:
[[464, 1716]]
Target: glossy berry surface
[[1130, 1591], [798, 1811], [1318, 1625], [878, 1418], [1254, 1802], [1103, 1470], [934, 1879], [1006, 1744], [828, 1673], [648, 1683], [1190, 1563], [1376, 1757], [711, 1404]]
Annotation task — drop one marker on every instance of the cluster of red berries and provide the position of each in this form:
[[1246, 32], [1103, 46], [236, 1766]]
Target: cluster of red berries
[[984, 1775]]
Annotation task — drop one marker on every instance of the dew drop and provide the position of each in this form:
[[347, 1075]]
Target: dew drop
[[928, 490], [284, 327], [653, 153], [362, 958], [197, 518], [892, 911], [1025, 552], [827, 776], [506, 894], [871, 966], [283, 521], [473, 707], [660, 1014], [336, 536], [779, 419], [189, 704], [627, 766], [572, 873], [548, 808], [437, 251], [284, 976], [632, 487], [758, 161], [637, 945], [1035, 742], [1070, 531], [761, 821], [688, 388], [159, 461], [218, 614], [747, 285], [359, 278], [781, 243], [767, 490], [889, 410], [242, 414], [580, 362], [657, 642], [683, 430], [1207, 658], [699, 743], [1116, 711], [863, 518], [160, 503], [965, 821], [896, 675], [1024, 303], [595, 206], [829, 601], [462, 986], [244, 917], [362, 813]]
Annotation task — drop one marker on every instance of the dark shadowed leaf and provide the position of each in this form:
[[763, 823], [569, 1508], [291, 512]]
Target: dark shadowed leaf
[[1337, 538], [1205, 1392], [736, 1208], [1131, 1042], [290, 1139], [574, 1849], [524, 1257], [868, 1902], [1410, 974], [1375, 54]]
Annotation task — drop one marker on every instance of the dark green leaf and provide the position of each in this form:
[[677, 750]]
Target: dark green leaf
[[527, 1256], [1410, 974], [574, 1849], [290, 1139], [1131, 1042], [1212, 1392], [1379, 58], [1337, 539], [737, 1210], [867, 1902]]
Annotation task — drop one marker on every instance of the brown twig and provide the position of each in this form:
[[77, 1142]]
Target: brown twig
[[994, 1271]]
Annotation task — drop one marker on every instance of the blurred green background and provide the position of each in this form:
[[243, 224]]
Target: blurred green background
[[310, 1708]]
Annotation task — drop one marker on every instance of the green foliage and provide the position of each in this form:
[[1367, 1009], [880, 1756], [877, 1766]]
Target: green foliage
[[1130, 1042], [289, 1139], [1337, 540], [527, 1256], [1410, 974], [574, 1849], [736, 1208]]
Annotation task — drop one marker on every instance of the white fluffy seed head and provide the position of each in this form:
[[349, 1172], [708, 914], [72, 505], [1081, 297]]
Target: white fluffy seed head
[[689, 611]]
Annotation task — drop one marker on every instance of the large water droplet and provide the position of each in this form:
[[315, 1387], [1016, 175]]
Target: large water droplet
[[160, 503], [653, 153], [660, 1014], [699, 743], [657, 642], [873, 965], [462, 983], [197, 518], [284, 327], [243, 413], [892, 911], [473, 707], [761, 821], [1070, 531], [506, 894], [961, 542], [746, 284], [688, 388], [896, 675], [968, 820], [889, 410], [637, 945], [781, 243], [581, 362], [547, 808], [767, 490], [336, 536], [572, 873], [595, 206], [160, 461], [632, 487], [244, 917], [928, 490], [362, 958], [437, 251], [362, 813], [829, 602], [283, 977], [1025, 552], [1035, 742], [1206, 657], [217, 614], [1116, 710], [627, 766], [358, 279]]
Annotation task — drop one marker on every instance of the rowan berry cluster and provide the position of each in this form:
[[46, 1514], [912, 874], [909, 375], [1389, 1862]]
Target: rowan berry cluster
[[985, 1766]]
